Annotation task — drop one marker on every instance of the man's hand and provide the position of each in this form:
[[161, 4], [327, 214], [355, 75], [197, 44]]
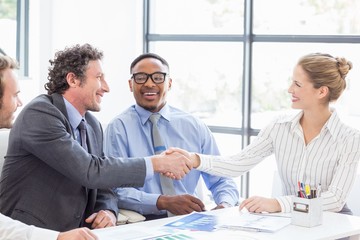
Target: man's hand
[[102, 219], [195, 159], [180, 204], [77, 234], [174, 166], [261, 204]]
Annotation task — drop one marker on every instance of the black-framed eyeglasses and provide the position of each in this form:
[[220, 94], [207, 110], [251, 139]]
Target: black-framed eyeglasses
[[156, 77]]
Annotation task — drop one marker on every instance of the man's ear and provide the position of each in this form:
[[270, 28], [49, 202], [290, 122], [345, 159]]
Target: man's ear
[[72, 80], [170, 83], [130, 85]]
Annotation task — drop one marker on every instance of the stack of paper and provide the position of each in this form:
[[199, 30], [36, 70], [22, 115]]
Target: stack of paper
[[236, 221], [254, 222]]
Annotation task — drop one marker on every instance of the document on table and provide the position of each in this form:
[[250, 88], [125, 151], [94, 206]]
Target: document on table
[[254, 222], [134, 233], [196, 222]]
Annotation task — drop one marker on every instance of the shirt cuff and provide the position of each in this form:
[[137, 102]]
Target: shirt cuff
[[205, 163], [43, 234], [285, 203], [149, 168], [149, 204], [226, 204]]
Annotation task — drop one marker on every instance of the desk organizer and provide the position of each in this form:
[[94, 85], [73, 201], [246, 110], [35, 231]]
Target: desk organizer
[[307, 212]]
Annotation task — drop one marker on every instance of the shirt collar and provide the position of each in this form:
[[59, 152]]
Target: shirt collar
[[74, 115], [332, 124], [145, 114]]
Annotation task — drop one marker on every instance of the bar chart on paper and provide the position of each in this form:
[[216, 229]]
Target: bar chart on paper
[[195, 222]]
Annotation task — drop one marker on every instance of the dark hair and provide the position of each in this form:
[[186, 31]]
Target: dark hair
[[148, 55], [326, 70], [5, 63], [73, 59]]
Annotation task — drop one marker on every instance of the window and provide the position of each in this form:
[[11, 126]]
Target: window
[[319, 17], [14, 26], [196, 17], [205, 79], [8, 27], [231, 60]]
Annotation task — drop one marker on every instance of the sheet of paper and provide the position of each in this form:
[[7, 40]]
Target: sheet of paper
[[254, 222], [196, 222], [134, 233]]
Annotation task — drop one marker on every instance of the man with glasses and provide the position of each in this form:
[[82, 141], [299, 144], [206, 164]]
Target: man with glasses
[[56, 175], [130, 135]]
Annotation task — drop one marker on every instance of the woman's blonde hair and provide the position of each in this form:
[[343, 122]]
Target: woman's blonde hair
[[326, 70]]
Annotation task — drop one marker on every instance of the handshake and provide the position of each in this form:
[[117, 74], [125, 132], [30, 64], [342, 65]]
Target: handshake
[[175, 163]]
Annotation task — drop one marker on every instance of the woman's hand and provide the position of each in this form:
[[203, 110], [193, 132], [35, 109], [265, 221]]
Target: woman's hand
[[261, 204]]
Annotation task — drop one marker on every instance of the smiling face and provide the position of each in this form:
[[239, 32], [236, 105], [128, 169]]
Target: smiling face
[[87, 95], [303, 93], [10, 100], [150, 96]]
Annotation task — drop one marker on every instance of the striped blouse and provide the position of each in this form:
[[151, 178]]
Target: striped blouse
[[330, 159]]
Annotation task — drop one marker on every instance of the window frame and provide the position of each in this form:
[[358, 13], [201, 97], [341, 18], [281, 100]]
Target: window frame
[[248, 38], [22, 36]]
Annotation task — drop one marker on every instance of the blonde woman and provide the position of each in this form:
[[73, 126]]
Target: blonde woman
[[313, 147]]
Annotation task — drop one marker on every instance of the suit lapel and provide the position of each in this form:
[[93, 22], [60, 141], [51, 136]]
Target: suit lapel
[[59, 103], [91, 194]]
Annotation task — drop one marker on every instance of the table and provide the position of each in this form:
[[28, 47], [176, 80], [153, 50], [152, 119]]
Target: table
[[334, 226]]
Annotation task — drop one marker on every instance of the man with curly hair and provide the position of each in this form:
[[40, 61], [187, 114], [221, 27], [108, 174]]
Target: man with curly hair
[[52, 177], [9, 102]]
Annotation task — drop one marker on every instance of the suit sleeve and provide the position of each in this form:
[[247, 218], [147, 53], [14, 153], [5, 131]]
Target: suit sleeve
[[56, 147], [106, 200]]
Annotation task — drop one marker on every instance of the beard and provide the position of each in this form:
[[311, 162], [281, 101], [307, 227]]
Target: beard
[[150, 108], [6, 122], [94, 107]]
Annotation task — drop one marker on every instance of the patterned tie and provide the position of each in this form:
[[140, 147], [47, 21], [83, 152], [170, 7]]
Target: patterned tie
[[165, 182], [82, 130]]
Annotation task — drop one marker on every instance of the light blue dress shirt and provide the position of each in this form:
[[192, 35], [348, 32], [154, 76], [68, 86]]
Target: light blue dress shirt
[[74, 118], [129, 135]]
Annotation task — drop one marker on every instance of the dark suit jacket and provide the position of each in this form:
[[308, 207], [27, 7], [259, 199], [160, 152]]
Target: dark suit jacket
[[48, 179]]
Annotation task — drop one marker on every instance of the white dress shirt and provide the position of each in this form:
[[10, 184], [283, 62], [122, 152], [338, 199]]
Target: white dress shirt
[[14, 230], [330, 159]]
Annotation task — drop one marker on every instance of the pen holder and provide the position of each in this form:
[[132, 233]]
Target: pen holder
[[307, 212]]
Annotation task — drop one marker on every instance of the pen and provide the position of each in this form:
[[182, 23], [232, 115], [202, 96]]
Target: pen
[[313, 193], [301, 193], [307, 191], [302, 187], [318, 190]]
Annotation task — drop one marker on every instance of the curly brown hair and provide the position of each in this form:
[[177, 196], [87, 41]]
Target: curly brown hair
[[73, 59]]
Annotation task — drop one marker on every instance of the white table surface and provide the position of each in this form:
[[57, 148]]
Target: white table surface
[[334, 226]]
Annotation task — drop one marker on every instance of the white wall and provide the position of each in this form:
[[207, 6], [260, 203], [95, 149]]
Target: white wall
[[113, 26]]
